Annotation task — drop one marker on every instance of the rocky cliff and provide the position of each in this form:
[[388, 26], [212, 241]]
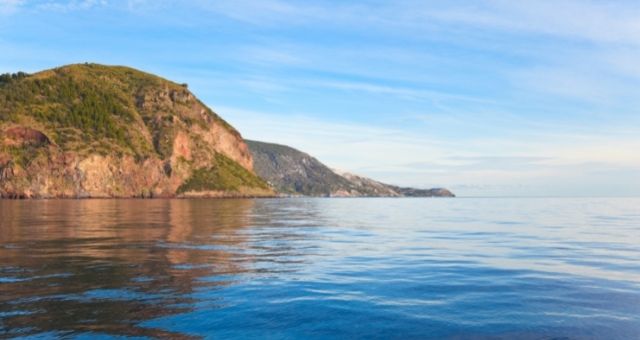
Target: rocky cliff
[[294, 172], [90, 130], [413, 192], [363, 186]]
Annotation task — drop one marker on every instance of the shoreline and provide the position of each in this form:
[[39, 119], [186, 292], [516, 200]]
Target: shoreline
[[199, 198]]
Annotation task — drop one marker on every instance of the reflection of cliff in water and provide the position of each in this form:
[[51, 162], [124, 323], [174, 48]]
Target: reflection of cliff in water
[[107, 265]]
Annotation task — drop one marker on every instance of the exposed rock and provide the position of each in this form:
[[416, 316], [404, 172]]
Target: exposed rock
[[413, 192], [6, 170], [20, 136], [367, 185], [293, 172], [100, 131]]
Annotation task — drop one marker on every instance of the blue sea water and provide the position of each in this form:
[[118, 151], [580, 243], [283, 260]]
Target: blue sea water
[[464, 268]]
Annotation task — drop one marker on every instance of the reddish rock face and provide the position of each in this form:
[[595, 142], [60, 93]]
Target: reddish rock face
[[6, 170], [138, 136], [19, 135], [59, 173]]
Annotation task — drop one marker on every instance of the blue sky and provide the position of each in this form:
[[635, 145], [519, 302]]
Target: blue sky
[[483, 97]]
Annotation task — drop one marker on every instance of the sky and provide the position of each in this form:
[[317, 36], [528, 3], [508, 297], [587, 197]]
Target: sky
[[485, 97]]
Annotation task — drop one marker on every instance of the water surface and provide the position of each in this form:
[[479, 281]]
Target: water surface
[[321, 268]]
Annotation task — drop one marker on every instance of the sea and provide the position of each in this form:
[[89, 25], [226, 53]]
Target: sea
[[321, 268]]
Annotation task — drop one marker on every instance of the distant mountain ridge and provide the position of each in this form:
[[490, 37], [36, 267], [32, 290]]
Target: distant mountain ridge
[[291, 171]]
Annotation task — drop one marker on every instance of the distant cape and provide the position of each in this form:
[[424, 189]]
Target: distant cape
[[293, 172]]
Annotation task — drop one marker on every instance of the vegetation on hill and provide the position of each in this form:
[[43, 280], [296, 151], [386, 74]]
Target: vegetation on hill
[[291, 171], [294, 172], [8, 77], [223, 174], [53, 123], [88, 106]]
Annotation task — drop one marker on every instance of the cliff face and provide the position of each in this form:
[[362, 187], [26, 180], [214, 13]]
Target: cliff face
[[99, 131], [363, 186], [294, 172], [413, 192]]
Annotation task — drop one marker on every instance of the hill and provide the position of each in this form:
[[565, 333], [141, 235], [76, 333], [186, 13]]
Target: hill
[[90, 130], [294, 172]]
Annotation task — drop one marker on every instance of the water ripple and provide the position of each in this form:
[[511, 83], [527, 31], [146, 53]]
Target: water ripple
[[321, 268]]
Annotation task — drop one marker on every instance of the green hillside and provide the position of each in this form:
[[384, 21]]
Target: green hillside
[[91, 106], [114, 111]]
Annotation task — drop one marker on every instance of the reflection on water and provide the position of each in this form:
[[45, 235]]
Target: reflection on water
[[400, 268], [107, 265]]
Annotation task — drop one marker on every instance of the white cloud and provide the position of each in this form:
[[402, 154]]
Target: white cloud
[[565, 82], [595, 21], [398, 91], [538, 163], [500, 78], [8, 7], [261, 12], [624, 61], [72, 5]]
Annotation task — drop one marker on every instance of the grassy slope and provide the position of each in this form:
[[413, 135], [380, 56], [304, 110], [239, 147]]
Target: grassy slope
[[87, 108], [224, 174]]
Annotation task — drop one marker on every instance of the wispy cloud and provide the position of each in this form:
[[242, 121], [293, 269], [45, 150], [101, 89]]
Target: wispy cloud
[[8, 7], [409, 158], [399, 91], [565, 82], [508, 95], [73, 5], [594, 21], [279, 12]]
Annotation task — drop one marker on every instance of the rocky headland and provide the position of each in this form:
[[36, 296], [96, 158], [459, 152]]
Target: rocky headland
[[90, 130]]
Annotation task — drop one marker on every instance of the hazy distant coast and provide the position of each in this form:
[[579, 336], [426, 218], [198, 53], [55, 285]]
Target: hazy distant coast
[[293, 172]]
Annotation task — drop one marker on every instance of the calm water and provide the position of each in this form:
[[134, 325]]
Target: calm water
[[321, 268]]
